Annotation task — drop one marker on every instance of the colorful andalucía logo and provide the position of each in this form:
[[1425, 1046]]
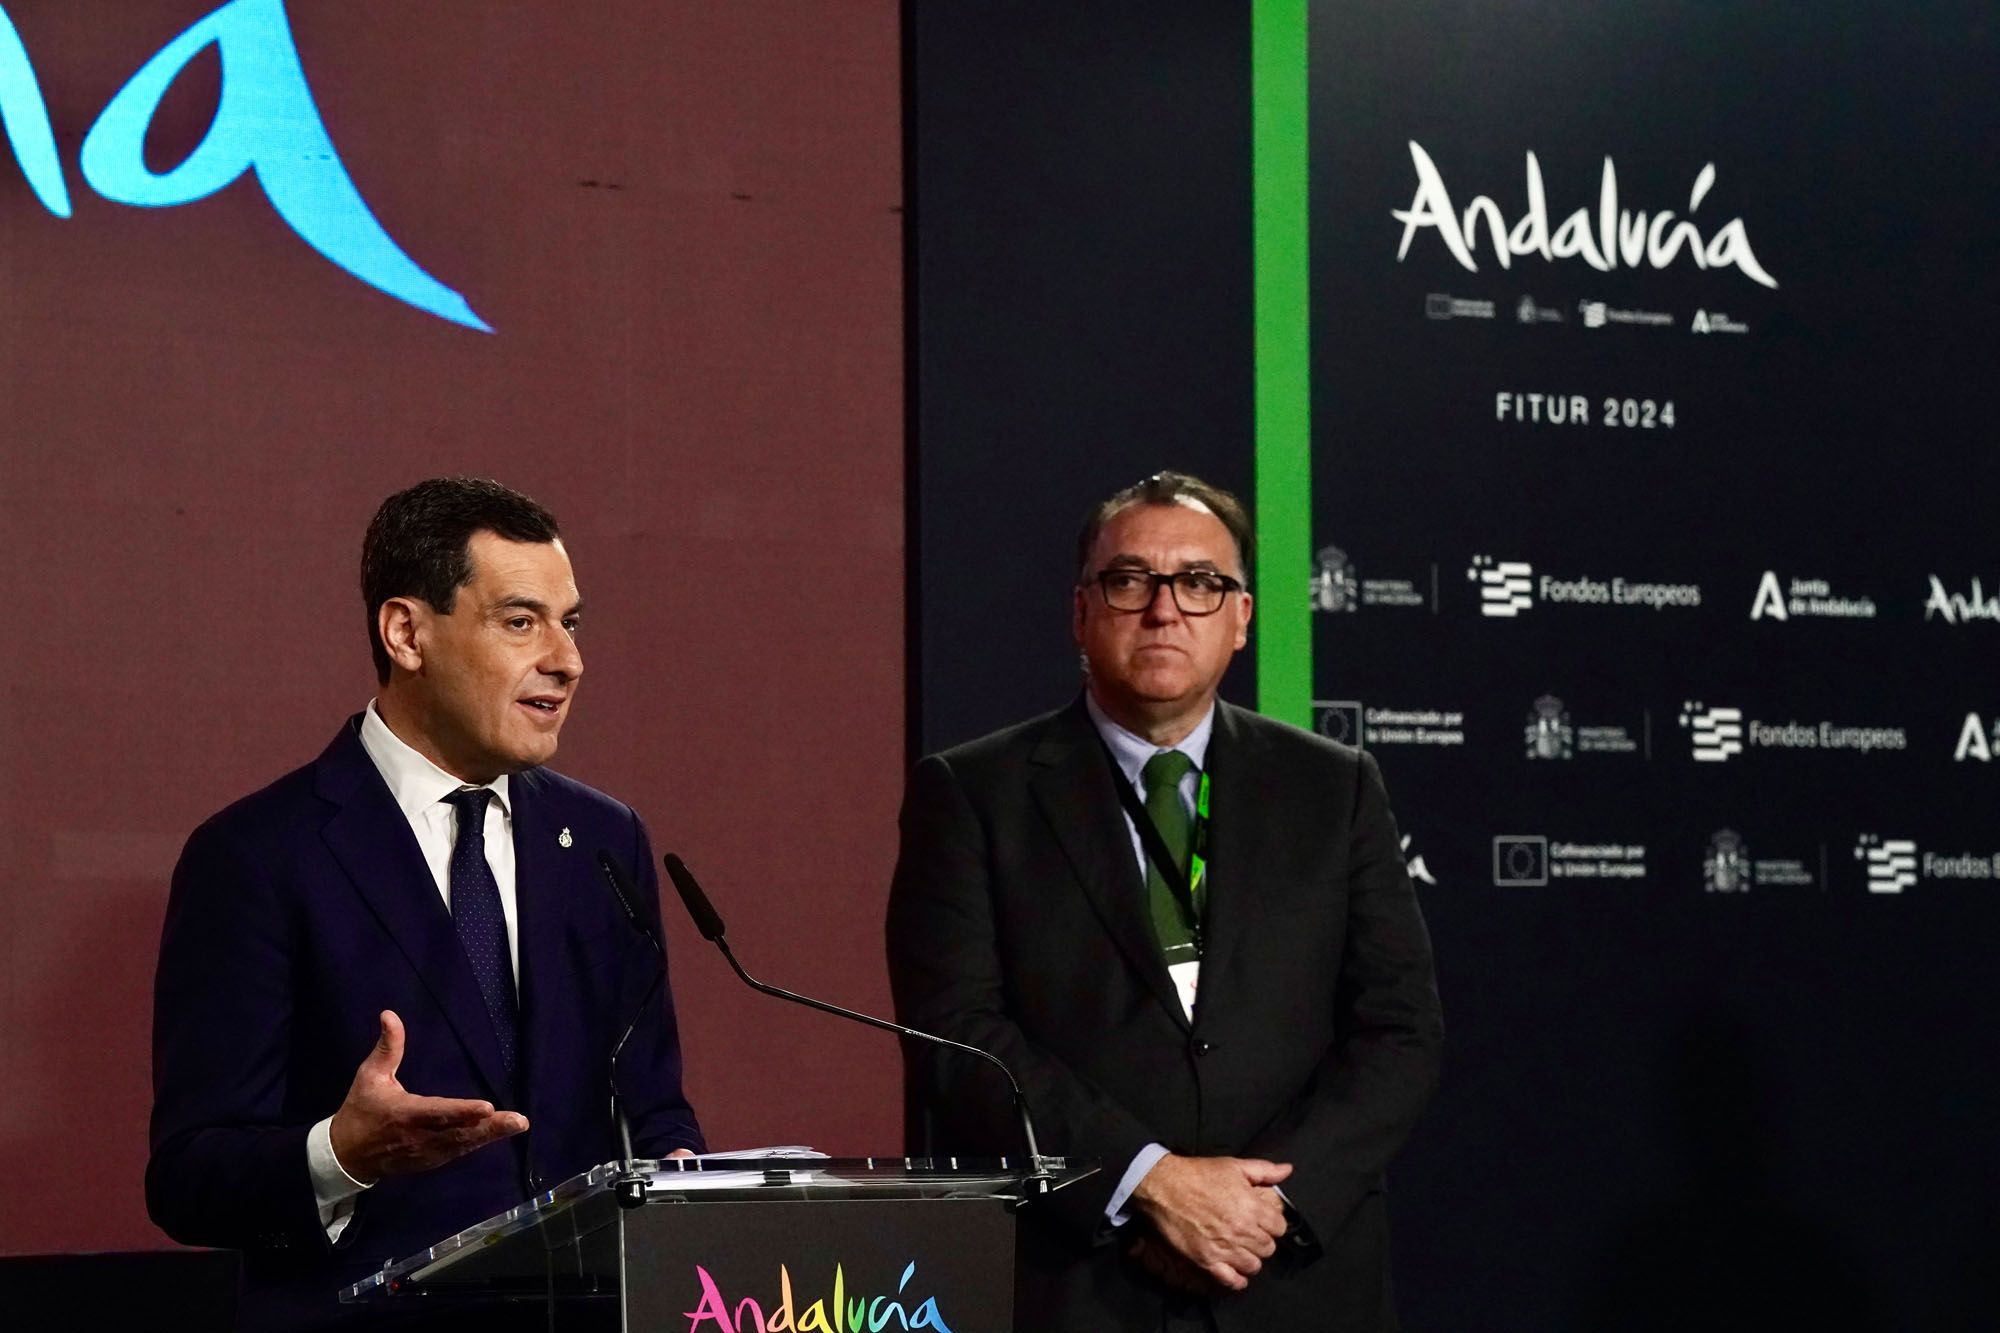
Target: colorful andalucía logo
[[836, 1312]]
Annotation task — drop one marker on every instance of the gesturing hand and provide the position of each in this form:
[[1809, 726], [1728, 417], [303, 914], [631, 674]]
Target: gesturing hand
[[382, 1130], [1218, 1213]]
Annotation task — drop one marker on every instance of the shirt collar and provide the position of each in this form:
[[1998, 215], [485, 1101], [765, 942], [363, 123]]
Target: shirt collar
[[1132, 751], [415, 782]]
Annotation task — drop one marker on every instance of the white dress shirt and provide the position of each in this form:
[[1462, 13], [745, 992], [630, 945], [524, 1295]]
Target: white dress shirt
[[1130, 752], [419, 788]]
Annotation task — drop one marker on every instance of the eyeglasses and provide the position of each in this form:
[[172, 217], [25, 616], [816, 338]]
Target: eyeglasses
[[1197, 592]]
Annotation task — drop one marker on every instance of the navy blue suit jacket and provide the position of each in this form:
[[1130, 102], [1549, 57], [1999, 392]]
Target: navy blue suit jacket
[[297, 915]]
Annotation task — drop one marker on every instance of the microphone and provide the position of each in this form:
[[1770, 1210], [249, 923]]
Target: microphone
[[631, 1183], [706, 920], [709, 923], [628, 898]]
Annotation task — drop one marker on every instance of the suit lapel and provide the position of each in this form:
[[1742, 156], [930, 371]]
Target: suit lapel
[[1073, 792], [372, 841], [1244, 800], [542, 867]]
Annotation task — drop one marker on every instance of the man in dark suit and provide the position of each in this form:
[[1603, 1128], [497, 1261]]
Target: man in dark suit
[[1217, 984], [390, 983]]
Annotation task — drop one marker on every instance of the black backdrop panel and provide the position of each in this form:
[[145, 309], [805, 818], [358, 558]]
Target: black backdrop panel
[[1081, 315], [1704, 1070], [1674, 675]]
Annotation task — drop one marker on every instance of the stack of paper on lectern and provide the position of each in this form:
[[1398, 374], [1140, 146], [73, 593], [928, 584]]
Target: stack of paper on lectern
[[737, 1170]]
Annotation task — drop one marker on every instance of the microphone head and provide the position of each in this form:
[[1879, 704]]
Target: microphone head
[[627, 895], [621, 887], [696, 902]]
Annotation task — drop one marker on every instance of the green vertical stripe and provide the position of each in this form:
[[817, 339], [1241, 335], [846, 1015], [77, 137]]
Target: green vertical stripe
[[1284, 370]]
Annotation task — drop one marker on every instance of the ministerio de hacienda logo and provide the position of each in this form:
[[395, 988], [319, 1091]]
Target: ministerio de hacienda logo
[[1552, 734], [835, 1312], [1729, 868]]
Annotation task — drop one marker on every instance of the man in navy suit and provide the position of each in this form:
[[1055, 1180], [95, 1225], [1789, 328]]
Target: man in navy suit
[[390, 983]]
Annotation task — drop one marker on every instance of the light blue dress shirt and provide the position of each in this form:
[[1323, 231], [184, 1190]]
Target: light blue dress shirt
[[1130, 753]]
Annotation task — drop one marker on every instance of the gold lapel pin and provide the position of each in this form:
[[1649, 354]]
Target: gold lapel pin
[[564, 839]]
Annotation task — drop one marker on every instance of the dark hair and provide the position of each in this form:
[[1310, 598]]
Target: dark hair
[[416, 543], [1165, 488]]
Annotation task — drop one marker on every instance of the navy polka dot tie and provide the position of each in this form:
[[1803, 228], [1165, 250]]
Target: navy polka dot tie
[[482, 927]]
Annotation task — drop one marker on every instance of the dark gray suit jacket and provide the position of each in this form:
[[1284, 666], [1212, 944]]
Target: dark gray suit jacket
[[1018, 922]]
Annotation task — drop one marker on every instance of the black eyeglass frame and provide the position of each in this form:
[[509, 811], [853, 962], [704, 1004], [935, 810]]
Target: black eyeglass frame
[[1154, 578]]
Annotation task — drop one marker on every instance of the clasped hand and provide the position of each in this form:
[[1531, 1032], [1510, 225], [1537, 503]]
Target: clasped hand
[[1217, 1214]]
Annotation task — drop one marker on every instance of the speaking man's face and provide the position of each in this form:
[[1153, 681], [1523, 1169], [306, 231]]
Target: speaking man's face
[[499, 673], [1159, 662]]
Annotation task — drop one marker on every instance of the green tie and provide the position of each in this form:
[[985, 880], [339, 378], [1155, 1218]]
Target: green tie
[[1172, 920]]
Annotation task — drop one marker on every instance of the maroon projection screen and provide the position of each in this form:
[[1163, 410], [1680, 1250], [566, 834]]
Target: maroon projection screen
[[246, 254]]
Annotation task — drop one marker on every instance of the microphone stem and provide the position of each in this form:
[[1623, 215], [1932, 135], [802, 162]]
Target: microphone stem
[[624, 1129], [1038, 1179], [631, 1185]]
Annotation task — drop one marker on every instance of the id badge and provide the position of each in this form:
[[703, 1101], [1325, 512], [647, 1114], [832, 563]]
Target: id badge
[[1187, 977]]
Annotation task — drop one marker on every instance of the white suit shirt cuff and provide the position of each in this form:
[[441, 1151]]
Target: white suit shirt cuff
[[333, 1188]]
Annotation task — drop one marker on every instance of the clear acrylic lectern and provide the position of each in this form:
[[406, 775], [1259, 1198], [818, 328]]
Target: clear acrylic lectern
[[792, 1242]]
